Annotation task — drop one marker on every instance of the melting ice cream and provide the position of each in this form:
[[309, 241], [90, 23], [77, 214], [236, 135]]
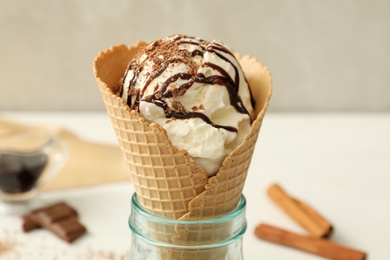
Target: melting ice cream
[[196, 91]]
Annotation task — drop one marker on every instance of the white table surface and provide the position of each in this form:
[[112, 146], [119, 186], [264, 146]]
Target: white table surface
[[338, 163]]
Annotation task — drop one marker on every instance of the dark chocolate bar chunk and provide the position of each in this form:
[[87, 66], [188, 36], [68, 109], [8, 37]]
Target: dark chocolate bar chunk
[[54, 213], [51, 213], [28, 224], [68, 229], [60, 219]]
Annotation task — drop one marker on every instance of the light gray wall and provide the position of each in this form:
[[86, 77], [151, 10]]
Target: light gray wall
[[324, 55]]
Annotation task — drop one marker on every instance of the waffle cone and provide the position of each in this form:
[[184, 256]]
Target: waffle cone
[[165, 177]]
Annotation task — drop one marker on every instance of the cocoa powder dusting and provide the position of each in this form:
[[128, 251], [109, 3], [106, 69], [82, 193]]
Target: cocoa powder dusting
[[15, 244], [6, 244], [8, 241], [104, 255]]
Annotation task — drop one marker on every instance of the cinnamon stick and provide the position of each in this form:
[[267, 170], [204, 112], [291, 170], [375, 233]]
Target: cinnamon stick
[[299, 211], [323, 224], [317, 246]]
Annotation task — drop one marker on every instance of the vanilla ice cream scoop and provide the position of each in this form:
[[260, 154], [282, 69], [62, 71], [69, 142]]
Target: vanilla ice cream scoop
[[196, 91]]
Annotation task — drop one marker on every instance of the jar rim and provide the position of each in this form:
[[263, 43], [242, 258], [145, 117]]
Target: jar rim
[[159, 219], [237, 214]]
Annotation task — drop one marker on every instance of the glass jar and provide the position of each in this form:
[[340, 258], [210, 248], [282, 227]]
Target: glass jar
[[159, 238]]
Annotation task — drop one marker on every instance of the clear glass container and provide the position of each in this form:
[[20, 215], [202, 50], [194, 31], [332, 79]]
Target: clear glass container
[[155, 237], [28, 159]]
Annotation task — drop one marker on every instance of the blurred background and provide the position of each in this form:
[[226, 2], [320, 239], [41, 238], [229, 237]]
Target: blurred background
[[324, 56]]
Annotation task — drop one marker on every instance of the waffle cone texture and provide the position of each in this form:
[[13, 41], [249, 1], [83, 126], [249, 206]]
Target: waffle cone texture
[[166, 179]]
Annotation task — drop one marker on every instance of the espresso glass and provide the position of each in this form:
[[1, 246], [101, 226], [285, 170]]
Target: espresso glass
[[28, 159]]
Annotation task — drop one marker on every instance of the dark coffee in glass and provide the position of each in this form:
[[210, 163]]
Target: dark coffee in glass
[[20, 172], [28, 159]]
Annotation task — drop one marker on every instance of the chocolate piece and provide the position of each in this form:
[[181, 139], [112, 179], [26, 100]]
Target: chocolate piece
[[28, 224], [60, 219], [68, 229], [54, 213], [51, 213]]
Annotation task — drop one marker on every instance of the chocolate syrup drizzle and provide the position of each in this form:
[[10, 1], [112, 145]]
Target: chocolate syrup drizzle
[[162, 93]]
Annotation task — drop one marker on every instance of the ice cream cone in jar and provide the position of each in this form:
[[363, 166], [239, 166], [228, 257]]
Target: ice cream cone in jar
[[187, 114]]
